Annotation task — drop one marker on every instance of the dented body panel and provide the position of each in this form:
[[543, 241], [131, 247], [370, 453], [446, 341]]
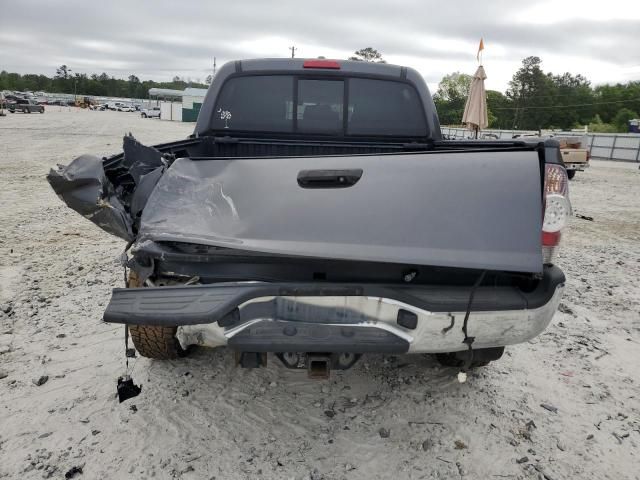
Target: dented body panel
[[84, 187]]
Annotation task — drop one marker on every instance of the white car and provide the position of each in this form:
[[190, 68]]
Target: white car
[[152, 112], [126, 108]]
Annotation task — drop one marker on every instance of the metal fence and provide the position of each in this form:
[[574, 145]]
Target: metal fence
[[610, 146]]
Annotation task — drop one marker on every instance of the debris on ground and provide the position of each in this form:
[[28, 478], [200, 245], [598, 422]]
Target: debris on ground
[[73, 472], [41, 380], [459, 445], [427, 445], [549, 407]]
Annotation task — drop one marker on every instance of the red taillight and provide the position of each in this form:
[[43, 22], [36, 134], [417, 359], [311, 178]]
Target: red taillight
[[330, 64], [557, 208], [550, 239]]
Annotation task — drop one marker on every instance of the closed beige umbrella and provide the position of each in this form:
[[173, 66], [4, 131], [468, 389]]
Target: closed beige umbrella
[[475, 111]]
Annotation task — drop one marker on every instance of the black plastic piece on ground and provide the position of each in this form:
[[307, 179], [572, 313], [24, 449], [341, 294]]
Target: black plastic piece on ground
[[72, 472], [127, 389]]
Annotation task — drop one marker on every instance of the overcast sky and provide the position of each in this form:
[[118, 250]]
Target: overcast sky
[[158, 39]]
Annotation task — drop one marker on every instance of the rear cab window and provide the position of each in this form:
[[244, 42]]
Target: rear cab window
[[336, 106], [381, 107], [320, 104], [256, 103]]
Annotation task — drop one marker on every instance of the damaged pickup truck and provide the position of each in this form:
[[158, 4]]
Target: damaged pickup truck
[[316, 213]]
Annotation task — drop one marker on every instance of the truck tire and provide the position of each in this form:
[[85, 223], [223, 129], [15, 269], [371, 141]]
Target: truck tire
[[26, 110], [571, 174], [42, 110], [154, 341], [481, 357], [144, 115]]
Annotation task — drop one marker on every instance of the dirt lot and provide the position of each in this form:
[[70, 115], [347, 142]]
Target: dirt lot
[[399, 416]]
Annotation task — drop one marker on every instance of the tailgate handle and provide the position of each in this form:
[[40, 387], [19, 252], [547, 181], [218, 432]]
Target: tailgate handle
[[329, 178]]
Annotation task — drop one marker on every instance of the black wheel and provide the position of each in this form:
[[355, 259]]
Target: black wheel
[[26, 110], [154, 341], [571, 174], [42, 110], [144, 115], [481, 357]]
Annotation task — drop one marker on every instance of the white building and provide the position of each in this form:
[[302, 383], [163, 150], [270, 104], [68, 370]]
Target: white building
[[179, 105]]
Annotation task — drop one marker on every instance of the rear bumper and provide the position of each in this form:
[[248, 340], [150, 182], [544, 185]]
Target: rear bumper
[[266, 317]]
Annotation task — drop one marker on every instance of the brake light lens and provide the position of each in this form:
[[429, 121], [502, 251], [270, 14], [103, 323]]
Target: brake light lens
[[557, 209], [555, 179], [329, 64], [556, 213]]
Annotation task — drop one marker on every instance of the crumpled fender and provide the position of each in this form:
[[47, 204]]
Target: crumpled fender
[[84, 187]]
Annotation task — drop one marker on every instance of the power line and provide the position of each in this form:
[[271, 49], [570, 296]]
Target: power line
[[546, 96], [541, 107]]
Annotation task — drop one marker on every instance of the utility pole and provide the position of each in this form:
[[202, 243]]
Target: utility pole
[[75, 88], [293, 51], [214, 66]]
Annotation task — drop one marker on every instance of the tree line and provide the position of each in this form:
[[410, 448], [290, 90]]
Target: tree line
[[100, 85], [103, 85], [538, 100]]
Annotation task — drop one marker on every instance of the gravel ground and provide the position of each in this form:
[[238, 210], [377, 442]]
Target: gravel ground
[[400, 416]]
